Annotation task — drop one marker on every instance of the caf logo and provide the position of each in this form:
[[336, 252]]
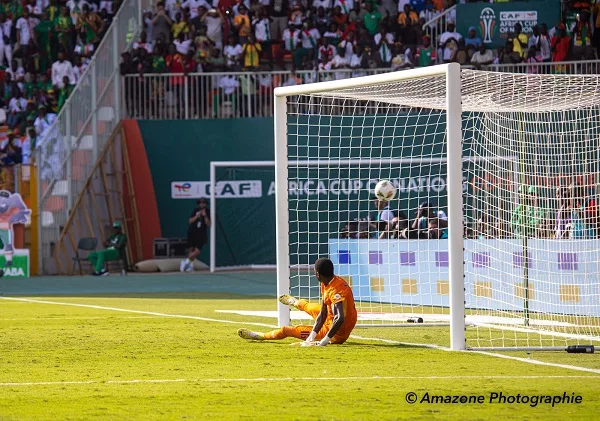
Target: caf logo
[[487, 23]]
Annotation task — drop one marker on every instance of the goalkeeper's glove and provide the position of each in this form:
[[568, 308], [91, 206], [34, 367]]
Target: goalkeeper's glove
[[311, 337]]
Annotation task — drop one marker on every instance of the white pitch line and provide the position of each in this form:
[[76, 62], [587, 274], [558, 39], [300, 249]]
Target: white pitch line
[[288, 379], [125, 310], [81, 318], [208, 319]]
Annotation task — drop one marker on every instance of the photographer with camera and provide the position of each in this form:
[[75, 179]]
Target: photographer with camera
[[199, 222]]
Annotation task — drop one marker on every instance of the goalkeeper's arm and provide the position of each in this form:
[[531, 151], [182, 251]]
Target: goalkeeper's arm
[[319, 322]]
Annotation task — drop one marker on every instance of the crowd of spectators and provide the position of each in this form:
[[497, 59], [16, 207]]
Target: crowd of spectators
[[45, 46], [571, 214], [197, 36]]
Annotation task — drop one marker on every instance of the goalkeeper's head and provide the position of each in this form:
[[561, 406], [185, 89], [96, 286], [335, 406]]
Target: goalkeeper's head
[[324, 270]]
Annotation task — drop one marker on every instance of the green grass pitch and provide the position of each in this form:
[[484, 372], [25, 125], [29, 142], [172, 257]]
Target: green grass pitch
[[174, 356]]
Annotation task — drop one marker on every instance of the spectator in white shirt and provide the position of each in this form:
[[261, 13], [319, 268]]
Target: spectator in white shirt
[[182, 45], [28, 145], [262, 33], [233, 54], [16, 108], [60, 69], [143, 43], [6, 47], [482, 57], [229, 85], [341, 61], [25, 31], [17, 73], [214, 27], [449, 42], [309, 38], [193, 5]]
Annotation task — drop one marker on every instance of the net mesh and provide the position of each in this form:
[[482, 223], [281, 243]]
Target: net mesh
[[530, 171]]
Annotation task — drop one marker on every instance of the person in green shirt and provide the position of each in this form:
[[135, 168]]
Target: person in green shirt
[[158, 62], [46, 39], [64, 93], [425, 53], [29, 85], [528, 217], [53, 10], [114, 249], [63, 25], [371, 19], [44, 84]]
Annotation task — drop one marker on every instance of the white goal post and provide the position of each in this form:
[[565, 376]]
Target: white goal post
[[479, 159]]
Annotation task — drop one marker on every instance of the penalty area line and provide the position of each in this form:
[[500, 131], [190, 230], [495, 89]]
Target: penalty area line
[[284, 379], [388, 341]]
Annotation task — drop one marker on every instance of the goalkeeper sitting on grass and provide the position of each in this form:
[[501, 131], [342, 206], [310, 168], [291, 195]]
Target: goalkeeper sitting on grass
[[334, 318], [114, 247]]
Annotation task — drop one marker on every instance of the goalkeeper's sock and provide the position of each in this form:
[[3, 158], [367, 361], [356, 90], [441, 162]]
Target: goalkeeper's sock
[[248, 334]]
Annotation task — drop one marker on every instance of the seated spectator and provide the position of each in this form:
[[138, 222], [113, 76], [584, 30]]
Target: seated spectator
[[449, 42], [483, 57], [461, 55], [114, 249], [325, 54], [400, 60], [472, 39], [358, 61], [334, 35], [252, 51], [426, 54], [10, 150]]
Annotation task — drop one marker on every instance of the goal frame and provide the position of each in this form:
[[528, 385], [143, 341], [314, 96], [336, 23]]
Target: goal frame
[[213, 212], [452, 73]]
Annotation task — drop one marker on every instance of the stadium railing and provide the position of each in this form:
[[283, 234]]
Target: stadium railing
[[68, 149], [173, 96], [583, 67], [206, 95]]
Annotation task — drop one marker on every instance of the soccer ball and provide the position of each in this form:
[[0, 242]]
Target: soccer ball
[[385, 190]]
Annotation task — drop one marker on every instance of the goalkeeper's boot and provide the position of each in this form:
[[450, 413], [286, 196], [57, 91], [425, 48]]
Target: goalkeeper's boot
[[248, 334], [288, 300]]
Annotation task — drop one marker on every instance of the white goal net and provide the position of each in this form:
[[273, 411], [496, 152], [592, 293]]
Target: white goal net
[[522, 242]]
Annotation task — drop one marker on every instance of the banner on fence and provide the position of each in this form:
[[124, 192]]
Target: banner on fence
[[495, 22]]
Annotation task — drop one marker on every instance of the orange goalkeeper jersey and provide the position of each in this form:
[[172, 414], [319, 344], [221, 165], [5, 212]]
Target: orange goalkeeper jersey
[[339, 291]]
